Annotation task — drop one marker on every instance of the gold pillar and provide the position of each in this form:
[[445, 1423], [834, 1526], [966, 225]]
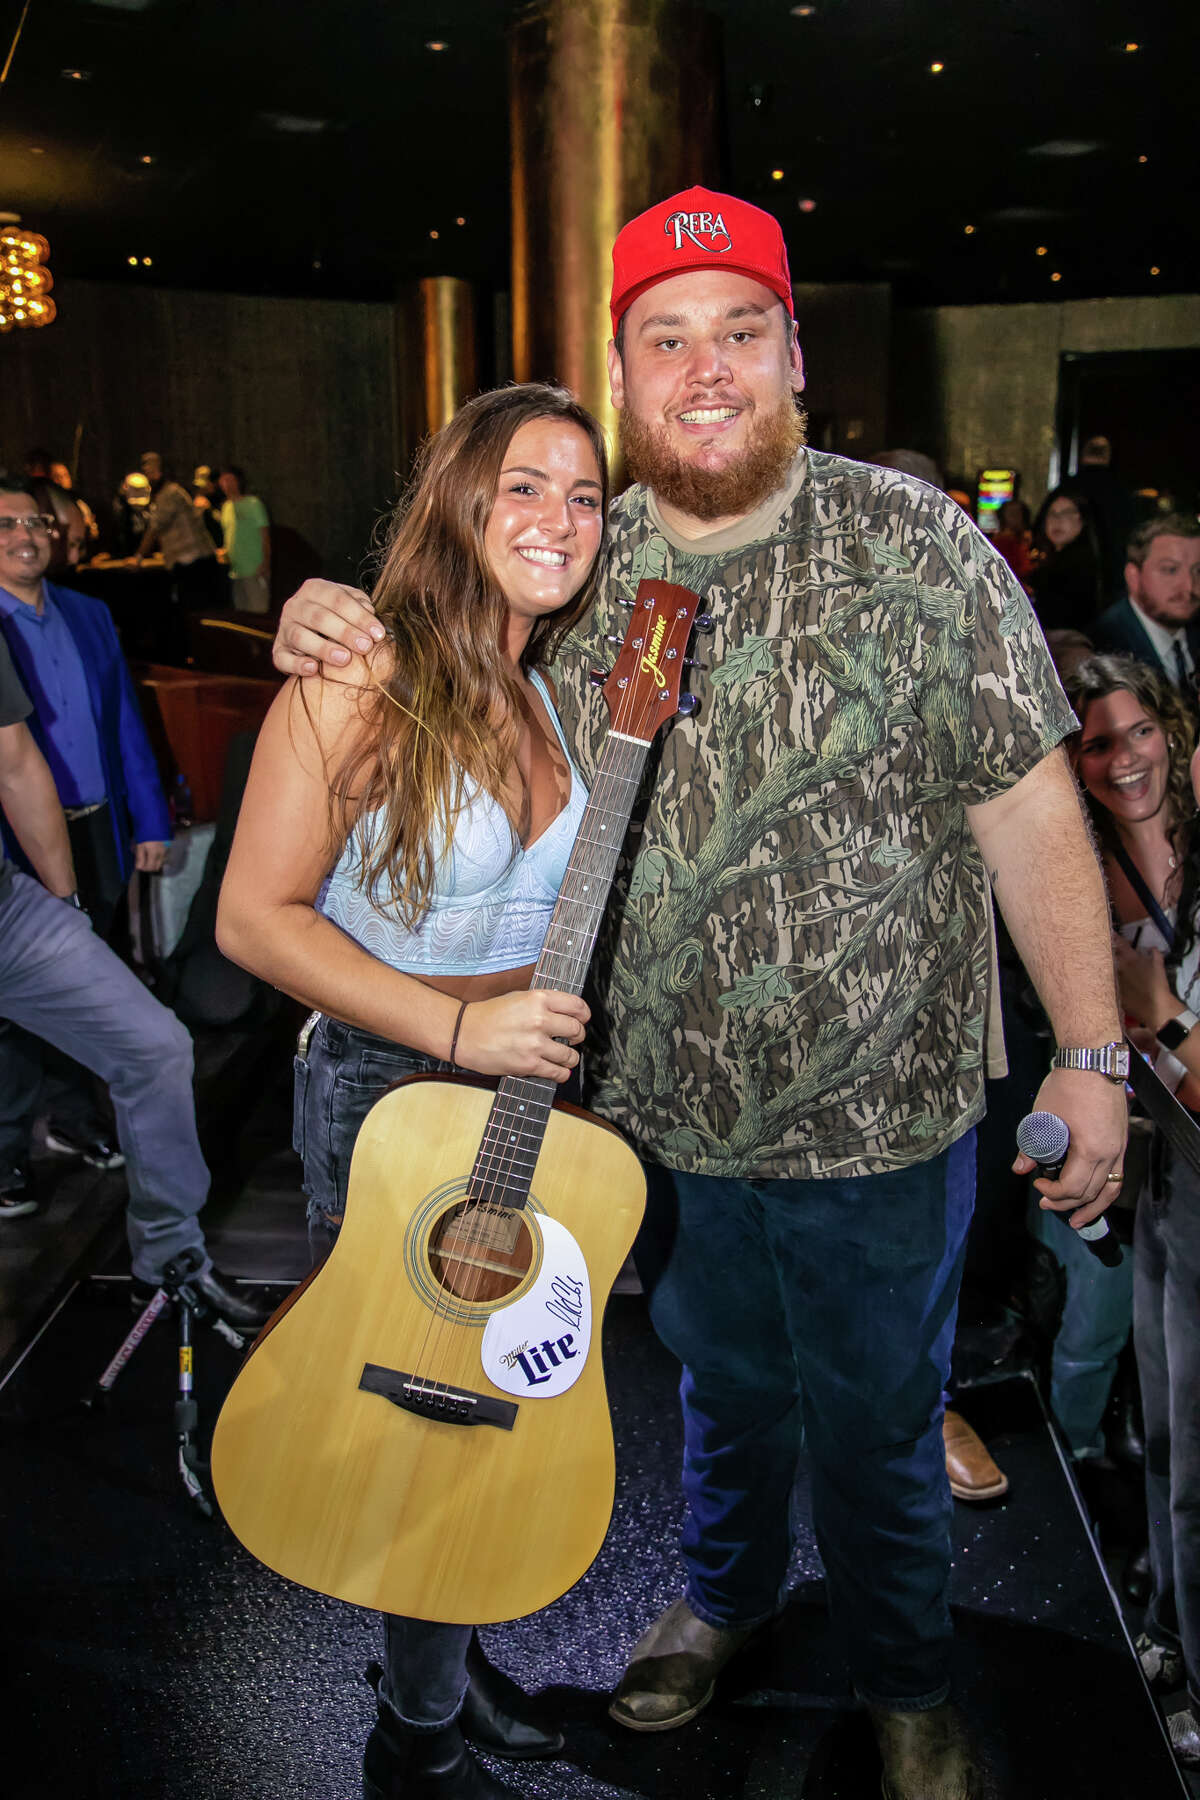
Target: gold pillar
[[436, 366], [614, 105]]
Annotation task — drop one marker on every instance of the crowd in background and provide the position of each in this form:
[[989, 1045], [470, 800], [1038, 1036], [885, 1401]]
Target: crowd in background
[[218, 526]]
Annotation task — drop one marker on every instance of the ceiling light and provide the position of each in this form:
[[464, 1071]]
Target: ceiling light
[[147, 261], [1154, 269], [807, 206], [433, 234], [1143, 159], [25, 282], [1056, 276], [1064, 147], [1130, 48], [132, 261], [776, 174], [460, 220], [77, 74], [145, 159], [968, 231], [437, 44], [295, 124], [804, 12], [936, 68]]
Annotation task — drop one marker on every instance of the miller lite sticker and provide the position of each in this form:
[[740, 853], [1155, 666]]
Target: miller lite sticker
[[537, 1347]]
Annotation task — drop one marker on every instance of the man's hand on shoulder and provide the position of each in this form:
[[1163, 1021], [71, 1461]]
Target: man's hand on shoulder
[[323, 627]]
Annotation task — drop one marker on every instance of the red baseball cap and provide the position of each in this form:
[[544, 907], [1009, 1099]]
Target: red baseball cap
[[698, 230]]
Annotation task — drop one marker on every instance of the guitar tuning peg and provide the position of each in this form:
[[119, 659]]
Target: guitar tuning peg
[[705, 623], [693, 662], [614, 640], [598, 677], [689, 704]]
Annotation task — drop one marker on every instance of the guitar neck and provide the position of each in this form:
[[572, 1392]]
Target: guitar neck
[[517, 1122]]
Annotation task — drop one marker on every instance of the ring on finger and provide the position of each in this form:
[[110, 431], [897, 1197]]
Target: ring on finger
[[1114, 1177]]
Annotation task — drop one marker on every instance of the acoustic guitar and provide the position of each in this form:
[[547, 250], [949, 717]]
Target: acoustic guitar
[[424, 1428]]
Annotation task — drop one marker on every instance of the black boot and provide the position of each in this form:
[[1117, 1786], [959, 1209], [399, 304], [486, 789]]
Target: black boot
[[499, 1717], [424, 1765]]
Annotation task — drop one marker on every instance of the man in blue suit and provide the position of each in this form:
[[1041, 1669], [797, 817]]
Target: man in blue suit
[[1158, 621], [87, 724]]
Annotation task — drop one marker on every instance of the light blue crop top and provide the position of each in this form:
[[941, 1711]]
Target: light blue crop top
[[492, 899]]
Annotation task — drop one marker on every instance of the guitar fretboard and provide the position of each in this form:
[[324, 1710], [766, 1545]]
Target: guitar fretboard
[[517, 1122]]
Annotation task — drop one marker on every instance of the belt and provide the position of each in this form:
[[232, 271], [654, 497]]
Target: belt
[[82, 812]]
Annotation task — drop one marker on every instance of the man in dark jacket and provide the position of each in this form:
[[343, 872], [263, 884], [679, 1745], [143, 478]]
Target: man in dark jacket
[[1158, 621], [87, 724]]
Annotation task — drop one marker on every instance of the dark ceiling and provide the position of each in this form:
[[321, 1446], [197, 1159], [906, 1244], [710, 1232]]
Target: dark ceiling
[[315, 148]]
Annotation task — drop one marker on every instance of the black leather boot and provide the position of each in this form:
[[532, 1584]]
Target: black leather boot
[[424, 1765], [499, 1717]]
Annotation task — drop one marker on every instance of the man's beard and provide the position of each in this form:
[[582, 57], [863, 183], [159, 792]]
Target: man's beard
[[728, 493]]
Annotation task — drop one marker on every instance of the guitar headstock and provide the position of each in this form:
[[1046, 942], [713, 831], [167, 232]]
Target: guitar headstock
[[643, 689]]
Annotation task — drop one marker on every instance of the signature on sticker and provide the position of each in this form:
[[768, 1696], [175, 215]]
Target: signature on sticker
[[567, 1303]]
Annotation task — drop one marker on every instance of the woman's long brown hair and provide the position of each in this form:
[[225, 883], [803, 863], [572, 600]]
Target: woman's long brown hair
[[450, 709]]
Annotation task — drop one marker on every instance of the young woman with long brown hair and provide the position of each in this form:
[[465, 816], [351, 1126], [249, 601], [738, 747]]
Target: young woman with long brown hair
[[398, 855]]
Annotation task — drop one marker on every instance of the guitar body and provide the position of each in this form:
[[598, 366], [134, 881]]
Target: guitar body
[[384, 1494]]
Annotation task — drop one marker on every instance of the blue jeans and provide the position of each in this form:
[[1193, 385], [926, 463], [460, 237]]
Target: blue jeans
[[1097, 1316], [62, 982], [818, 1311], [339, 1077], [1166, 1336]]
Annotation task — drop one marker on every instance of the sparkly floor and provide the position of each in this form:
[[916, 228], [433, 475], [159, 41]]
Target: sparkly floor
[[149, 1655]]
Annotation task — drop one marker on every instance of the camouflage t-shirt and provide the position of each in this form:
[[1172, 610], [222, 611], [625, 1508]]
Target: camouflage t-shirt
[[792, 975]]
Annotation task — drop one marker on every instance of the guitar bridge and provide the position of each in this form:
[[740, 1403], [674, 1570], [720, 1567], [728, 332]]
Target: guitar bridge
[[436, 1399]]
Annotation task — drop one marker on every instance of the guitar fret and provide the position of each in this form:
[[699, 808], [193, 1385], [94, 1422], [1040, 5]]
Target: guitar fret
[[517, 1121]]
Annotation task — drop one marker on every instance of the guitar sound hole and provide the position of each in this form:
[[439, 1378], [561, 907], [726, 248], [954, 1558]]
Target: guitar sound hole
[[480, 1252]]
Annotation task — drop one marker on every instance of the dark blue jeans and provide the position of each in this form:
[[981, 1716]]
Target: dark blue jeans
[[1166, 1336], [819, 1311], [340, 1073]]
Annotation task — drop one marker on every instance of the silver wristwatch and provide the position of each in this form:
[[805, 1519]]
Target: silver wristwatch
[[1111, 1060]]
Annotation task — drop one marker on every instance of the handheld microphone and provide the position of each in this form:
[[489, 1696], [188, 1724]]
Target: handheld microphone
[[1046, 1138]]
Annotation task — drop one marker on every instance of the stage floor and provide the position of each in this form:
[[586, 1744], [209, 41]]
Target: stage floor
[[148, 1654]]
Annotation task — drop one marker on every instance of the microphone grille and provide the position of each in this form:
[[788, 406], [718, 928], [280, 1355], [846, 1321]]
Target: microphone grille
[[1044, 1136]]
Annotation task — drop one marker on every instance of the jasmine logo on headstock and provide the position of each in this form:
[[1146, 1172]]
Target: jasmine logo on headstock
[[650, 662]]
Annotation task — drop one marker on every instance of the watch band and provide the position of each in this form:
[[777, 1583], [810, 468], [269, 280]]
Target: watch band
[[1111, 1060], [1172, 1034]]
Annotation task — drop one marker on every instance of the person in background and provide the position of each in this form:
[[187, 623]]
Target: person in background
[[174, 527], [58, 980], [1112, 511], [1162, 991], [1014, 538], [62, 478], [206, 498], [1131, 756], [69, 539], [88, 725], [1158, 619], [247, 534], [1064, 581]]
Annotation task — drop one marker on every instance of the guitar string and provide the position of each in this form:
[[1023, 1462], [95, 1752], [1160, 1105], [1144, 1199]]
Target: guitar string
[[501, 1151], [501, 1148], [496, 1160], [494, 1157]]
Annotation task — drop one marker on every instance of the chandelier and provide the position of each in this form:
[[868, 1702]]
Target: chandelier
[[25, 282]]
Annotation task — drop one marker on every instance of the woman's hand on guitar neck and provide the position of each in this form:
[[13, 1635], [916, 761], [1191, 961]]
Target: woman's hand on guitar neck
[[518, 1034]]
